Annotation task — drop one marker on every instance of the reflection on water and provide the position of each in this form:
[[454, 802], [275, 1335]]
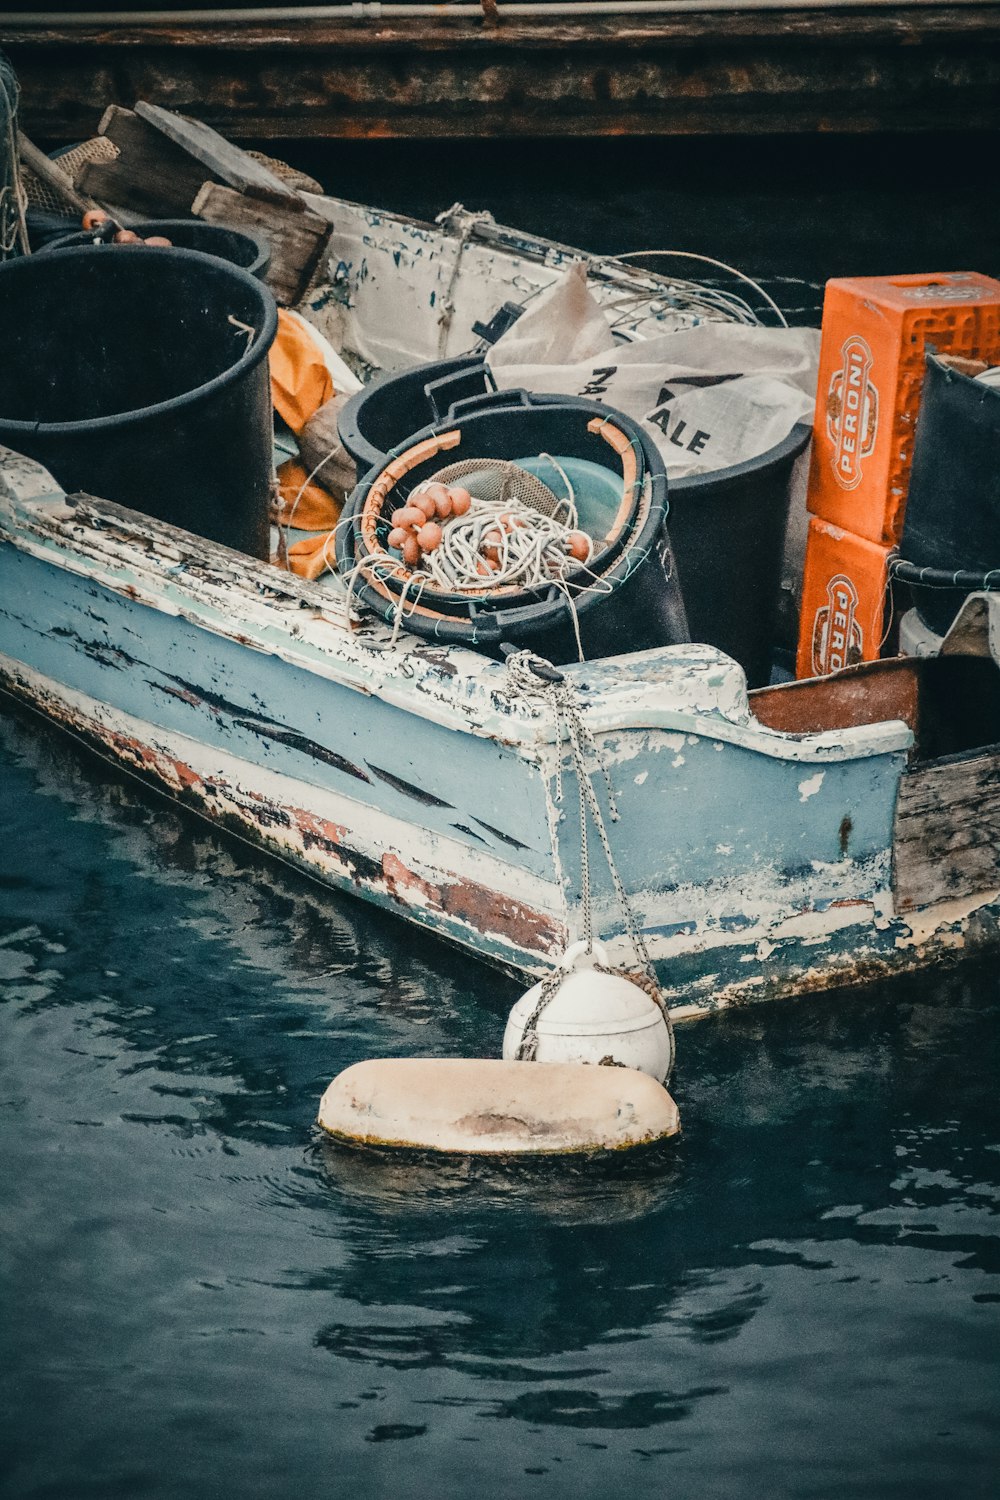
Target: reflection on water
[[202, 1296]]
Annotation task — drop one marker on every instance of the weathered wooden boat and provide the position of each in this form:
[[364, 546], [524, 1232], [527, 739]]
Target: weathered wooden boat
[[799, 837]]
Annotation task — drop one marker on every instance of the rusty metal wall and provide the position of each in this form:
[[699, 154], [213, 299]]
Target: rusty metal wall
[[906, 68]]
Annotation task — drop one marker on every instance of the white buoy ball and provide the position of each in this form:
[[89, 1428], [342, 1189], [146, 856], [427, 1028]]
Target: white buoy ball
[[593, 1017]]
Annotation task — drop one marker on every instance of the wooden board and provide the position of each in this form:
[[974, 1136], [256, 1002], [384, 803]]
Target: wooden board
[[947, 836], [297, 240], [152, 175], [222, 161]]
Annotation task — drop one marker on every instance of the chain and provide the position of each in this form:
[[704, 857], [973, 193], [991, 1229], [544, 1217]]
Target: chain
[[527, 1049], [532, 677]]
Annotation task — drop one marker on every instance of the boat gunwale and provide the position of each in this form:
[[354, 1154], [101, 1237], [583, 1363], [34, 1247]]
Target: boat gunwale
[[468, 694]]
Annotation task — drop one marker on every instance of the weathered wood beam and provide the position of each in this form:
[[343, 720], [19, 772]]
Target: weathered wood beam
[[297, 237], [912, 68], [947, 838]]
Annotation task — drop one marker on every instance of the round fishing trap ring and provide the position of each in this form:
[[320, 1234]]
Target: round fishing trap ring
[[498, 479], [543, 456]]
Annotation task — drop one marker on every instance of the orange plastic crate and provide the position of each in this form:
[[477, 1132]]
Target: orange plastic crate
[[843, 600], [875, 333]]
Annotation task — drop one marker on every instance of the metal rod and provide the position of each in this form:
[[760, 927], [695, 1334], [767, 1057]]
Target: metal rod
[[361, 10]]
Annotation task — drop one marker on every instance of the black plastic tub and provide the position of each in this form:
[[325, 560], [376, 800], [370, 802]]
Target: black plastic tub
[[637, 604], [728, 534], [248, 251], [142, 378], [382, 415], [727, 529], [951, 530]]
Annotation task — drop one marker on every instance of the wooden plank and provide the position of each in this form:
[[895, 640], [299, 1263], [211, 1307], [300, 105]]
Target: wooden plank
[[222, 161], [947, 836], [297, 240], [152, 175]]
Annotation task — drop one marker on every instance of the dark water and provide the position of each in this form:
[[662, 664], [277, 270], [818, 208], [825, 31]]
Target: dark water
[[198, 1301]]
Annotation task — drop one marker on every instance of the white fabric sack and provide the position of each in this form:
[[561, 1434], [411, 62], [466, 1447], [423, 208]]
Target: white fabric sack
[[711, 396]]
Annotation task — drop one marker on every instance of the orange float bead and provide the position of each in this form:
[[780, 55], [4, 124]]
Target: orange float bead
[[429, 536], [423, 501]]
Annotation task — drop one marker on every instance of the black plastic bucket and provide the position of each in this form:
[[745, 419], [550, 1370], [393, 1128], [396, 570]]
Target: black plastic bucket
[[727, 529], [951, 531], [238, 246], [728, 534], [637, 603], [384, 413], [142, 378]]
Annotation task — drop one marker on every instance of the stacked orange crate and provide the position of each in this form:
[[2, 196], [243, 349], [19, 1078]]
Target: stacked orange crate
[[876, 330]]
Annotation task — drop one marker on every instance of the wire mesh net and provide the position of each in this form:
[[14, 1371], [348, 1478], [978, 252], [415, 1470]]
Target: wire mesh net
[[502, 481], [44, 196]]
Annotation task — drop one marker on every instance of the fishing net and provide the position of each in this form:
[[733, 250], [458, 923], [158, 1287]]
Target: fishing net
[[500, 481], [46, 196], [300, 181], [13, 231]]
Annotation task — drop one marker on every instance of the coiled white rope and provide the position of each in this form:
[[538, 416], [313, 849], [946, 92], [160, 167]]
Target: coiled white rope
[[498, 544]]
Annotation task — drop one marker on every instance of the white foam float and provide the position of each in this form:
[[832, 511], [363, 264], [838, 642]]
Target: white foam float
[[482, 1106], [591, 1015]]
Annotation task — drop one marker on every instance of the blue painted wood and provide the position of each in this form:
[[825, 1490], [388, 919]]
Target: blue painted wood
[[170, 673], [695, 810], [757, 866]]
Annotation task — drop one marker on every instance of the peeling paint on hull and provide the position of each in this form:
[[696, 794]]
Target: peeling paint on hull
[[495, 923], [409, 776], [699, 977]]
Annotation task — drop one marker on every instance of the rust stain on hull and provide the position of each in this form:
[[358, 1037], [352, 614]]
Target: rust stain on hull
[[476, 905], [466, 904]]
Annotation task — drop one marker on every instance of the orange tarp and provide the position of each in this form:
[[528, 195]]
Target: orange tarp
[[306, 505], [311, 557], [300, 380]]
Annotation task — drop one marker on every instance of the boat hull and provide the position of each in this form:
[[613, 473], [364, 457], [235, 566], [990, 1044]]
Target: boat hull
[[760, 864], [852, 949]]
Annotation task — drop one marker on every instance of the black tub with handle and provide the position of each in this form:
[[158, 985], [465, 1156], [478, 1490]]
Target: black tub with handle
[[241, 248], [628, 598], [141, 376], [951, 531], [727, 529], [381, 415]]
